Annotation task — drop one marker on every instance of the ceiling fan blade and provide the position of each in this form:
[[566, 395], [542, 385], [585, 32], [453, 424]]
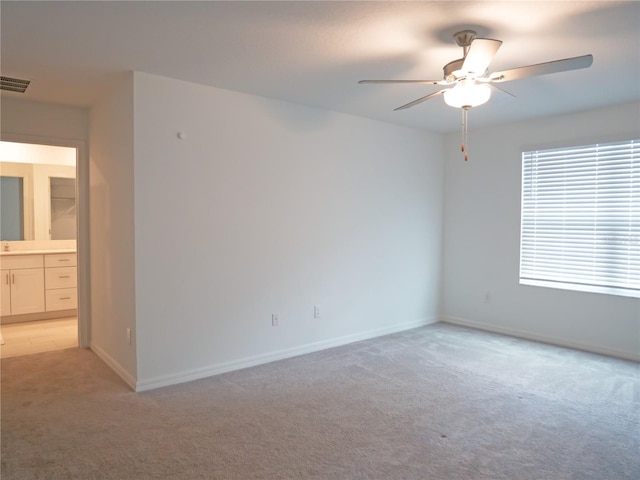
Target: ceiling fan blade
[[428, 82], [420, 100], [479, 56], [555, 66]]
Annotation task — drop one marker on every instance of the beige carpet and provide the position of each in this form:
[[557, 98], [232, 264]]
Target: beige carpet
[[439, 402]]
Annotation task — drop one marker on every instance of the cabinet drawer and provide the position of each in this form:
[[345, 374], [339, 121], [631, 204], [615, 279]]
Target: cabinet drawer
[[61, 299], [14, 262], [60, 277], [60, 260]]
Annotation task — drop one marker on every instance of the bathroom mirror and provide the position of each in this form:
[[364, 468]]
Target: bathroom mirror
[[62, 201], [37, 192], [11, 208]]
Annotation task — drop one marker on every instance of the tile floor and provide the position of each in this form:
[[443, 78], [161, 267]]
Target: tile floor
[[41, 336]]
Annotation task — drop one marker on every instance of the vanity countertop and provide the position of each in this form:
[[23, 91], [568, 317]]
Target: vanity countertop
[[36, 252]]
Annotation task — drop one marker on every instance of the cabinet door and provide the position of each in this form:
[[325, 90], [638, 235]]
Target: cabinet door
[[27, 291], [5, 306]]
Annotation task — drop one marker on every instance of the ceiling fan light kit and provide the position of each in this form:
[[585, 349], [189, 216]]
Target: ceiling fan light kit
[[470, 77], [467, 94]]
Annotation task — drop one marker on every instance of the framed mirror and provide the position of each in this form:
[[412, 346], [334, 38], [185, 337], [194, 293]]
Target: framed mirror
[[11, 208], [37, 192], [62, 212]]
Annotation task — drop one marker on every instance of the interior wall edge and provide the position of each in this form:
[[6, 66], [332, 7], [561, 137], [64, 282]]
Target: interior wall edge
[[528, 335], [111, 231], [122, 372]]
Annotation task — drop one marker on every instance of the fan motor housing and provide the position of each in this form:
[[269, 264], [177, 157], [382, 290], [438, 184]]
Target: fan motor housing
[[451, 68]]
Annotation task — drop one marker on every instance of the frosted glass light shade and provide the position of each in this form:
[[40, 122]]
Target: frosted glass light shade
[[467, 95]]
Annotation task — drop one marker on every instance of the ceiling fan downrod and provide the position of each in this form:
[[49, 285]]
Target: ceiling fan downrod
[[463, 39]]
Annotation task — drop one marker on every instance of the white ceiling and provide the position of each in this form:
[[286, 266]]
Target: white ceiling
[[314, 52]]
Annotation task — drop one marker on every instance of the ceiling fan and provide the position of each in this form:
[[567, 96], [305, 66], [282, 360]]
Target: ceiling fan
[[470, 80]]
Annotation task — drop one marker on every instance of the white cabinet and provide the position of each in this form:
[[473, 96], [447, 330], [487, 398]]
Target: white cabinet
[[5, 305], [27, 291], [60, 277], [22, 284], [61, 281], [38, 283], [61, 299], [52, 260]]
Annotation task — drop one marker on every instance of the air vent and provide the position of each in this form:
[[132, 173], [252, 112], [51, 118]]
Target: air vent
[[13, 84]]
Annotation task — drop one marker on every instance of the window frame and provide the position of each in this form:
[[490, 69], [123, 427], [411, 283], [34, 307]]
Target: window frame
[[540, 262]]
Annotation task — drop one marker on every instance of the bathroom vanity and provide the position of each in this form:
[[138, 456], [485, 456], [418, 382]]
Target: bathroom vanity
[[38, 284]]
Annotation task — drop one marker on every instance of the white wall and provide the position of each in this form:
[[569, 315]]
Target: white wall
[[37, 154], [270, 207], [482, 235], [112, 230], [40, 120]]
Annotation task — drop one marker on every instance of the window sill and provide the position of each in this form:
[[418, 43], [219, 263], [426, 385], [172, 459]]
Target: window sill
[[622, 292]]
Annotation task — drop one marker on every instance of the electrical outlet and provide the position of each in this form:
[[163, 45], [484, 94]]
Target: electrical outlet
[[316, 311], [274, 320], [487, 297]]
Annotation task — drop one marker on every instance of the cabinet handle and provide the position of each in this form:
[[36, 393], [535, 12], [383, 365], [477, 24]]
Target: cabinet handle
[[64, 276], [63, 259], [64, 298], [13, 278], [7, 279]]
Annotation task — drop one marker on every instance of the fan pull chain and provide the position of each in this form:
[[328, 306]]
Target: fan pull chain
[[465, 122]]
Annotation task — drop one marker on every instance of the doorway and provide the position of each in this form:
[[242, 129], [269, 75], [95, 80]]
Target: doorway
[[42, 270]]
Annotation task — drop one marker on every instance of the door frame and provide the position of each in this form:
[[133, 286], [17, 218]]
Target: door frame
[[82, 224]]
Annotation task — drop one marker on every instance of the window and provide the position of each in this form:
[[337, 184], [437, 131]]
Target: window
[[580, 225]]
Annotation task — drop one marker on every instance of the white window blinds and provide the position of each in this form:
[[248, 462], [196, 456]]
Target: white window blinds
[[581, 218]]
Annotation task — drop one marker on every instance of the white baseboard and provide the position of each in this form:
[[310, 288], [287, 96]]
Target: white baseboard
[[224, 367], [635, 356], [115, 366]]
